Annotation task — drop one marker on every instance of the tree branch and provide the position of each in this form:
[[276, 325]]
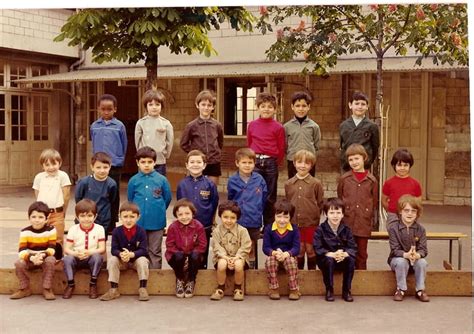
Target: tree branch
[[399, 32]]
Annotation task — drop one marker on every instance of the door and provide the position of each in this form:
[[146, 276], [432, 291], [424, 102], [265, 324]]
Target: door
[[4, 145], [20, 160]]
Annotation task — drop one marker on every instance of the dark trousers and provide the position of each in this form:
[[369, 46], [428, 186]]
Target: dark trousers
[[292, 169], [115, 174], [328, 266], [178, 261], [268, 168]]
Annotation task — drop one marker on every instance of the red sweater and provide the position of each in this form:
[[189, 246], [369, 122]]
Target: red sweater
[[185, 238], [267, 136]]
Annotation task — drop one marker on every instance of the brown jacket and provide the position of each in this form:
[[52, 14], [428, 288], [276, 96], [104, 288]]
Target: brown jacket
[[361, 200], [307, 197]]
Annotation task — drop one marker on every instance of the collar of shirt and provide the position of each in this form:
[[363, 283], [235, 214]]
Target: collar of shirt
[[143, 174], [202, 120], [233, 230], [297, 178], [87, 230], [288, 227], [130, 232], [402, 226], [112, 121]]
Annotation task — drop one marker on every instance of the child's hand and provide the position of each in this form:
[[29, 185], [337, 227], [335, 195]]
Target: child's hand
[[125, 255]]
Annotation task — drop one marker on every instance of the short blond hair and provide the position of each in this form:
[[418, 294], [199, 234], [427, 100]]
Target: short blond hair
[[415, 203], [306, 156], [355, 149], [208, 95], [50, 154], [245, 152]]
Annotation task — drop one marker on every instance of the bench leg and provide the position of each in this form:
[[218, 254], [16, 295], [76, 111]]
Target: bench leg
[[450, 251], [459, 254]]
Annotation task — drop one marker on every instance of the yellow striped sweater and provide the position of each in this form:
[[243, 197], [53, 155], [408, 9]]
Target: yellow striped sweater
[[34, 241]]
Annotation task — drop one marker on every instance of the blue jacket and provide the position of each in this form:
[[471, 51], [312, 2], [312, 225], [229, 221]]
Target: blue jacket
[[203, 193], [288, 242], [111, 138], [151, 192], [250, 197], [138, 243], [325, 240]]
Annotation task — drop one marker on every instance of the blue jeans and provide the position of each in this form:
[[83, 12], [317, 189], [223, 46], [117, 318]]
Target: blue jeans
[[71, 263], [268, 168], [161, 169], [401, 266]]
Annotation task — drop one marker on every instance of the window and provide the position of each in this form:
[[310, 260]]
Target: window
[[92, 96], [38, 70], [2, 117], [40, 118], [19, 120], [17, 71]]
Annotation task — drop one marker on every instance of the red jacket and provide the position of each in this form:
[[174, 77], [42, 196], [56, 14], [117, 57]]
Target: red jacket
[[185, 238]]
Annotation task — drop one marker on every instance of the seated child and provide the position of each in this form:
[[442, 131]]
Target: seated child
[[186, 243], [281, 243], [231, 247], [408, 248], [37, 244], [129, 250], [335, 249], [84, 247]]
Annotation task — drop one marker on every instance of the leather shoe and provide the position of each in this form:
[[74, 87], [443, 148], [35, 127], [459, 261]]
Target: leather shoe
[[329, 295], [347, 296], [422, 296], [93, 291], [68, 292]]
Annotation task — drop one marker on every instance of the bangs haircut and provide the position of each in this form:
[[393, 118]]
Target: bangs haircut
[[184, 202], [206, 95], [101, 157], [84, 206], [50, 154], [306, 156], [38, 206], [284, 206], [153, 95], [333, 203], [354, 149], [229, 206], [129, 206], [402, 155], [245, 152], [145, 152], [414, 202]]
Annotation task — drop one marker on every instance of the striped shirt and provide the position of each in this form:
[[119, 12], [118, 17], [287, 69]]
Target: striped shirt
[[34, 241]]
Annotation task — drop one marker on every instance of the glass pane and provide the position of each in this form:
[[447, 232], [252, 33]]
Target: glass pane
[[15, 102], [36, 118], [44, 133], [2, 133], [44, 118], [2, 101], [22, 102], [14, 132], [23, 133], [37, 133], [14, 118], [44, 104], [23, 117], [36, 103], [2, 117]]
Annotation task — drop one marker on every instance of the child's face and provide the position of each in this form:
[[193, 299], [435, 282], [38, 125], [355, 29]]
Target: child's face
[[100, 170], [38, 219], [402, 169], [195, 165], [335, 215], [129, 218], [184, 215], [106, 109], [266, 110], [282, 219], [86, 219], [408, 214], [300, 108], [205, 108], [229, 219], [303, 167], [245, 166], [146, 165], [358, 107], [153, 108], [356, 162], [51, 167]]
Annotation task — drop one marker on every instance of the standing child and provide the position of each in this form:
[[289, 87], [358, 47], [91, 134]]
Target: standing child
[[151, 192], [108, 135], [359, 129], [301, 131], [306, 194], [266, 137], [205, 134], [202, 192], [336, 249], [231, 245], [400, 184], [281, 244], [408, 248], [84, 247], [185, 243], [52, 186], [100, 188], [249, 190], [37, 246], [358, 189], [154, 130]]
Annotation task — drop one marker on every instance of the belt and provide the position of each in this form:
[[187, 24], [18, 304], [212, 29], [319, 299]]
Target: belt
[[59, 209], [262, 156]]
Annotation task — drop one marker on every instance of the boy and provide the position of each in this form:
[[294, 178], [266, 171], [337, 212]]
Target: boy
[[37, 245], [100, 188], [359, 129], [281, 244], [249, 190], [358, 189], [231, 245], [336, 249], [202, 192], [129, 249], [154, 130], [108, 135], [301, 131], [205, 134], [52, 186], [151, 192], [306, 194], [84, 247], [266, 137], [408, 248]]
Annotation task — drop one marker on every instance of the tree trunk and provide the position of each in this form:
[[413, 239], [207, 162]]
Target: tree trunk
[[151, 64]]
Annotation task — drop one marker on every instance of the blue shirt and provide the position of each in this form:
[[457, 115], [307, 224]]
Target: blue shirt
[[109, 137], [250, 197], [151, 192], [203, 193]]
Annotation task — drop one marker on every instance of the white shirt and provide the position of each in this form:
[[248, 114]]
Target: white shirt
[[85, 239], [50, 188]]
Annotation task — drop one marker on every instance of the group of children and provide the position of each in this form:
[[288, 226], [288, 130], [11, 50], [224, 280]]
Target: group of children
[[291, 229]]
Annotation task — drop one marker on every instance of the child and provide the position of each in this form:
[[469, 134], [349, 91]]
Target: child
[[151, 192], [154, 130], [359, 129], [408, 247], [266, 137], [249, 190], [84, 247], [336, 249], [185, 243], [100, 188], [359, 191], [306, 194], [202, 192], [108, 135], [301, 131], [231, 245], [52, 186], [37, 245], [400, 184], [129, 250], [205, 134], [281, 243]]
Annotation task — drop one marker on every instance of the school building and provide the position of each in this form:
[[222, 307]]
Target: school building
[[48, 94]]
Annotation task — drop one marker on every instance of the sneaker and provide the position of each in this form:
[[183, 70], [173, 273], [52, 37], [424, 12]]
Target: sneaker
[[399, 294], [179, 288], [294, 295], [93, 294], [113, 293], [21, 293], [274, 294], [217, 295], [422, 296], [48, 294], [189, 290], [143, 294], [252, 264], [238, 295], [68, 292]]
